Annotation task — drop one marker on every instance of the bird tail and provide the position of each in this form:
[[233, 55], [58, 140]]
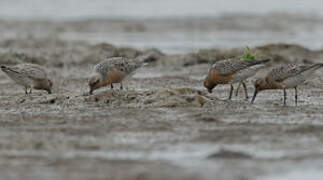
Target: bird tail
[[144, 64], [262, 61], [3, 67], [314, 67], [254, 62], [142, 60], [308, 71], [257, 63], [7, 69], [318, 65]]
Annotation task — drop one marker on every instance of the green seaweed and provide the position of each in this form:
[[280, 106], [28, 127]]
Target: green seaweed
[[248, 55]]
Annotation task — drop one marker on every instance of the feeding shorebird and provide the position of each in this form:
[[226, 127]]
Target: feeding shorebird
[[285, 77], [113, 70], [232, 71], [30, 76]]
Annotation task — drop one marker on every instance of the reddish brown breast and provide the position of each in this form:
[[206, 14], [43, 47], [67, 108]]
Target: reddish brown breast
[[271, 84], [219, 79], [115, 76]]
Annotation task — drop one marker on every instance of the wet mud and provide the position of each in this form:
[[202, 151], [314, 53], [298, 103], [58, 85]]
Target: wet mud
[[164, 125]]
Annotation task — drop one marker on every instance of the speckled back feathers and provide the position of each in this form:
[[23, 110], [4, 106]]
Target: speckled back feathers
[[122, 64], [230, 66], [291, 70], [25, 70], [29, 76]]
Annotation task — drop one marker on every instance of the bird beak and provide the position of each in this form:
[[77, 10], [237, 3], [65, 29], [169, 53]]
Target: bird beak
[[254, 96], [209, 90]]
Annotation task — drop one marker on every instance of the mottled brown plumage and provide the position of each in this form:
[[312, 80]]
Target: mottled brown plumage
[[230, 71], [285, 77], [113, 70], [30, 76]]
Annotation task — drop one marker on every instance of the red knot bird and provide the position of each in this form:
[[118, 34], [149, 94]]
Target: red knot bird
[[285, 77], [230, 71], [113, 70], [30, 76]]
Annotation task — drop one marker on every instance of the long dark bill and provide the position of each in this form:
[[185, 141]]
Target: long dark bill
[[254, 96]]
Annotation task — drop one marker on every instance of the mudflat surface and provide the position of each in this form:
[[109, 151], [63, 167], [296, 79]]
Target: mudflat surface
[[165, 126]]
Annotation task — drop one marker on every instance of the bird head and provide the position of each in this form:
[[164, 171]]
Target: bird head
[[209, 84], [260, 84], [95, 82], [49, 86]]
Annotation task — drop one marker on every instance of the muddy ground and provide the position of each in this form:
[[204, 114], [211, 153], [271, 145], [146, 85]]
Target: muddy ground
[[164, 126]]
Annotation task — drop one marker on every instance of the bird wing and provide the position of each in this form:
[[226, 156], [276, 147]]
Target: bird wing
[[32, 71], [122, 64], [290, 70], [11, 69], [230, 66]]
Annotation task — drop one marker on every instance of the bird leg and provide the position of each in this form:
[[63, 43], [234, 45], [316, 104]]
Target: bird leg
[[245, 89], [111, 85], [237, 90], [285, 94], [121, 87], [296, 96], [254, 96], [231, 90]]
